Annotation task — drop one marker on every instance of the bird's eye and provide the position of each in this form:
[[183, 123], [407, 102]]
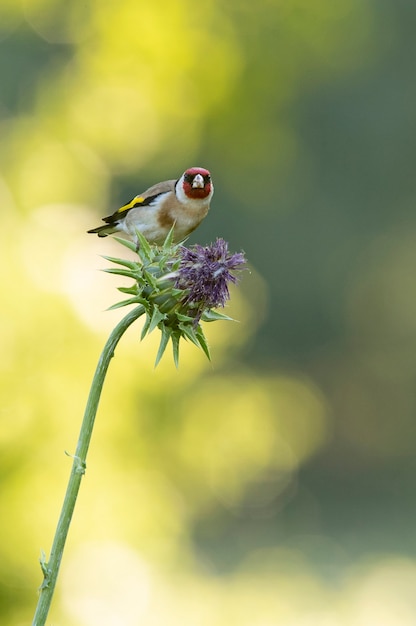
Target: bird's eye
[[188, 178], [207, 178]]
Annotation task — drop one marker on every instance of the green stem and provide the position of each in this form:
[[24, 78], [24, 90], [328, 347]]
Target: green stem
[[51, 568]]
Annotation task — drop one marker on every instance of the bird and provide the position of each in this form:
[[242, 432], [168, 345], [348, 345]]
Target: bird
[[181, 204]]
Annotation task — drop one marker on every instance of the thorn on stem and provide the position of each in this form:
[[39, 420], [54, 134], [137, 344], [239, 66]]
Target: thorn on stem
[[81, 465]]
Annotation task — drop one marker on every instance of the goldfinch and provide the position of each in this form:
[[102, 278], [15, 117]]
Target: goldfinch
[[181, 203]]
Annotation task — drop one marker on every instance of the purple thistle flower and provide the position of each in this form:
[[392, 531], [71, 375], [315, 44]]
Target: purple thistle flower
[[176, 288], [205, 273]]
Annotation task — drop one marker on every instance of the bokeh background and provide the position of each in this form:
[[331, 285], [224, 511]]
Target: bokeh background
[[274, 486]]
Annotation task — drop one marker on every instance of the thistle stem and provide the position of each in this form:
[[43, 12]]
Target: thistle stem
[[51, 568]]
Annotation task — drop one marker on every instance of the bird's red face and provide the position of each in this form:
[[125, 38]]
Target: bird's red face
[[197, 183]]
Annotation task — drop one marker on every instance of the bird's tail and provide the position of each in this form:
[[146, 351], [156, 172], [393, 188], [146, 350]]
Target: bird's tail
[[102, 231]]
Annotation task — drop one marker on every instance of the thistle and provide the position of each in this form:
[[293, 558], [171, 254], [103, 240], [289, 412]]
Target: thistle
[[175, 288], [178, 288]]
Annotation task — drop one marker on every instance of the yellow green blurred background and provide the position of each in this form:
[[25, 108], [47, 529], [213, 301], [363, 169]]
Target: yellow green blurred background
[[275, 485]]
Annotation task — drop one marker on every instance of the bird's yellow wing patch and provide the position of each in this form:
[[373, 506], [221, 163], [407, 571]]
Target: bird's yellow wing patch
[[130, 205]]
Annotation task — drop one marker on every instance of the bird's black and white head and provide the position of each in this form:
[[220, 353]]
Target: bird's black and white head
[[195, 184]]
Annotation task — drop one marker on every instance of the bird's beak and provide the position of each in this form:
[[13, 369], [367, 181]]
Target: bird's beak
[[198, 182]]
